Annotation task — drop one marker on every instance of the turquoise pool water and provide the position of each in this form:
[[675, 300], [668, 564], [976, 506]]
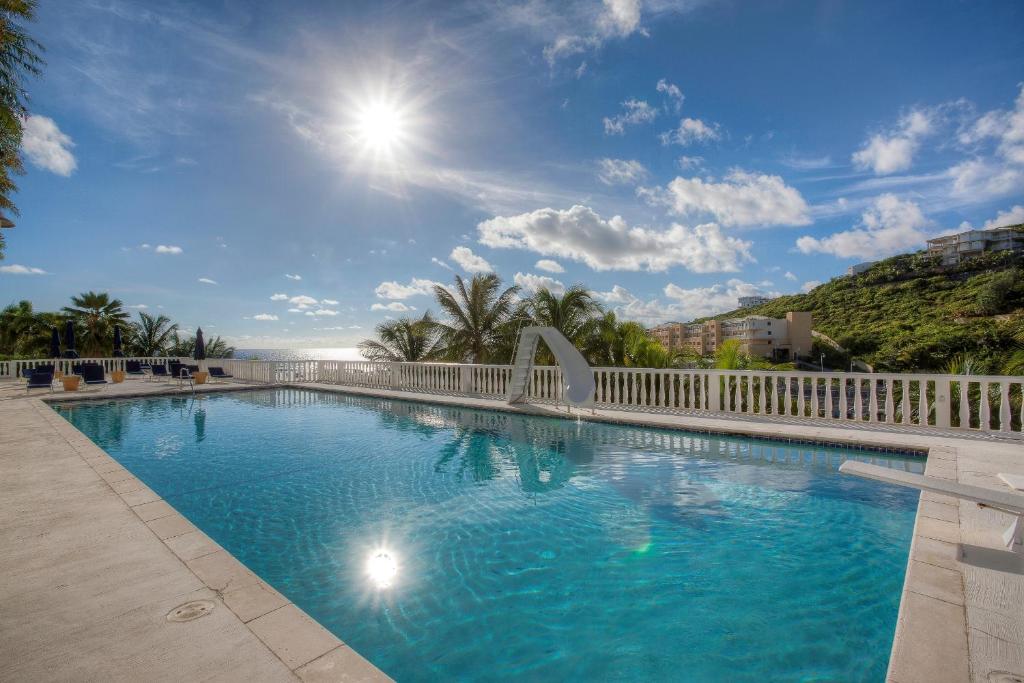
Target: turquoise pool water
[[451, 544]]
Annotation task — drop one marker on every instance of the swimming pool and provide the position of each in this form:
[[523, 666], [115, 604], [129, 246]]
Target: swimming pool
[[446, 543]]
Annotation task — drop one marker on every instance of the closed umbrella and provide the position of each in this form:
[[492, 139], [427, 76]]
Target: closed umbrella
[[54, 343], [69, 340], [199, 353], [118, 353]]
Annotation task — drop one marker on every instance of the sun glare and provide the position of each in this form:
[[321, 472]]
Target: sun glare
[[381, 568], [380, 127]]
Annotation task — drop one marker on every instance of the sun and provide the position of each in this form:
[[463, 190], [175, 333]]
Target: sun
[[380, 127]]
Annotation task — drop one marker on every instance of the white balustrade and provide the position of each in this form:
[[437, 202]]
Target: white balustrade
[[979, 403]]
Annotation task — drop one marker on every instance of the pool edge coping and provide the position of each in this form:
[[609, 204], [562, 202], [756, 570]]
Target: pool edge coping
[[273, 619]]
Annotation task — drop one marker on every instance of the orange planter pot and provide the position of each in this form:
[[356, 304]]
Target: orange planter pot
[[117, 376], [70, 382], [200, 377]]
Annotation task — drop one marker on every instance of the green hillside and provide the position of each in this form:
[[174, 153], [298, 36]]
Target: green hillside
[[908, 312]]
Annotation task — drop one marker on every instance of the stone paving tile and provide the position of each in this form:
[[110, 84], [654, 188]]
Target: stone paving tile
[[945, 513], [293, 636], [943, 627], [340, 664], [170, 526], [147, 512], [191, 545], [253, 600], [936, 582], [221, 571], [938, 529]]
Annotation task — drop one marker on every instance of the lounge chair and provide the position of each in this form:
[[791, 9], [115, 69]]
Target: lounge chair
[[40, 380], [93, 374], [133, 367], [160, 371], [218, 373]]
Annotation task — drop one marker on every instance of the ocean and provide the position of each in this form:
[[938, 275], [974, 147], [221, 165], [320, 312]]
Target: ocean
[[330, 353]]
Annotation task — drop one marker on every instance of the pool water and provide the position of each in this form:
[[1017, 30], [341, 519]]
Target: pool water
[[446, 543]]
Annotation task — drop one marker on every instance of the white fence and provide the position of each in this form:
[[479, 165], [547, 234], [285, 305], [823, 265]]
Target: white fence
[[980, 403], [14, 368]]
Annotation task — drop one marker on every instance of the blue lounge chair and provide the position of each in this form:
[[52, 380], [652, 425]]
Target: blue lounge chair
[[93, 374], [40, 380], [160, 371], [218, 373], [133, 367]]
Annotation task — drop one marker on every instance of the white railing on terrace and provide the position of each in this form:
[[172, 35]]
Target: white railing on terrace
[[14, 368], [979, 403]]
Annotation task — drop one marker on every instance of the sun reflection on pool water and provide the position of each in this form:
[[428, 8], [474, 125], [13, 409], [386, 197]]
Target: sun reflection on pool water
[[382, 568]]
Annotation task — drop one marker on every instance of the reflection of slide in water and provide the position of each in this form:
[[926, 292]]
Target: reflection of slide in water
[[577, 377]]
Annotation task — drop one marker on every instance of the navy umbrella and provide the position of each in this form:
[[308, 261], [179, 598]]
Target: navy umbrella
[[69, 340], [118, 353], [199, 353], [54, 343]]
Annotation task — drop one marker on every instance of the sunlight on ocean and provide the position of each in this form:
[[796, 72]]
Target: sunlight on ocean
[[329, 353]]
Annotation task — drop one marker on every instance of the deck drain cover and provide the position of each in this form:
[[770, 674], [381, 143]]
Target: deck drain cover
[[190, 610], [1004, 677]]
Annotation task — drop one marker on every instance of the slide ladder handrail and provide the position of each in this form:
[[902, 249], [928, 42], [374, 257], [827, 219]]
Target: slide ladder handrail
[[577, 377]]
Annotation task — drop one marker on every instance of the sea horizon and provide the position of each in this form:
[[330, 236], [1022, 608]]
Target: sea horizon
[[315, 353]]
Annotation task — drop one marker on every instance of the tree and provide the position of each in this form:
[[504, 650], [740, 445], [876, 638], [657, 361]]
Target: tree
[[97, 314], [19, 59], [730, 356], [24, 331], [475, 317], [217, 348], [151, 335], [402, 340], [575, 314]]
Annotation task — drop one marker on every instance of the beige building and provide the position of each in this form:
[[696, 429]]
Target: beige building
[[955, 248], [779, 338]]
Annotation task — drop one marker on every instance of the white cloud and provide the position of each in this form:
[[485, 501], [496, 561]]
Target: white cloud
[[396, 290], [789, 276], [320, 312], [581, 234], [892, 151], [264, 316], [673, 92], [278, 297], [742, 200], [620, 171], [207, 281], [688, 162], [691, 131], [293, 277], [636, 112], [809, 285], [806, 163], [1006, 127], [549, 266], [168, 249], [303, 301], [329, 302], [1014, 216], [890, 226], [530, 283], [979, 180], [295, 310], [46, 146], [437, 261], [470, 262], [394, 306], [141, 306], [581, 69], [18, 269], [683, 304]]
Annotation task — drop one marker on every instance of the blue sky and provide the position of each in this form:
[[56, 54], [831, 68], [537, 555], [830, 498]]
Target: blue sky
[[198, 159]]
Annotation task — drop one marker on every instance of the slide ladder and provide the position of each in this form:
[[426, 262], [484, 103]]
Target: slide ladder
[[577, 377]]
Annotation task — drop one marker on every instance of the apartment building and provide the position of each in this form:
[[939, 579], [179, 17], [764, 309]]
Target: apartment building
[[778, 338], [756, 300], [859, 268], [955, 248]]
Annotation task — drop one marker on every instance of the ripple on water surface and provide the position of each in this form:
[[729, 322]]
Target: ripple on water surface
[[444, 543]]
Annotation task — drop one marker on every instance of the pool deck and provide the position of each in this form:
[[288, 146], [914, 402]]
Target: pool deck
[[92, 562]]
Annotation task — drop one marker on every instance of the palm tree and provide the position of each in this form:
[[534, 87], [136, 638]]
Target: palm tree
[[97, 313], [25, 332], [574, 314], [476, 316], [19, 58], [151, 335], [402, 340], [218, 348]]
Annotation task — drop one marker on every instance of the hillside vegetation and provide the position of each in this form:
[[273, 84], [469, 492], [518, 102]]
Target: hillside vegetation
[[909, 313]]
